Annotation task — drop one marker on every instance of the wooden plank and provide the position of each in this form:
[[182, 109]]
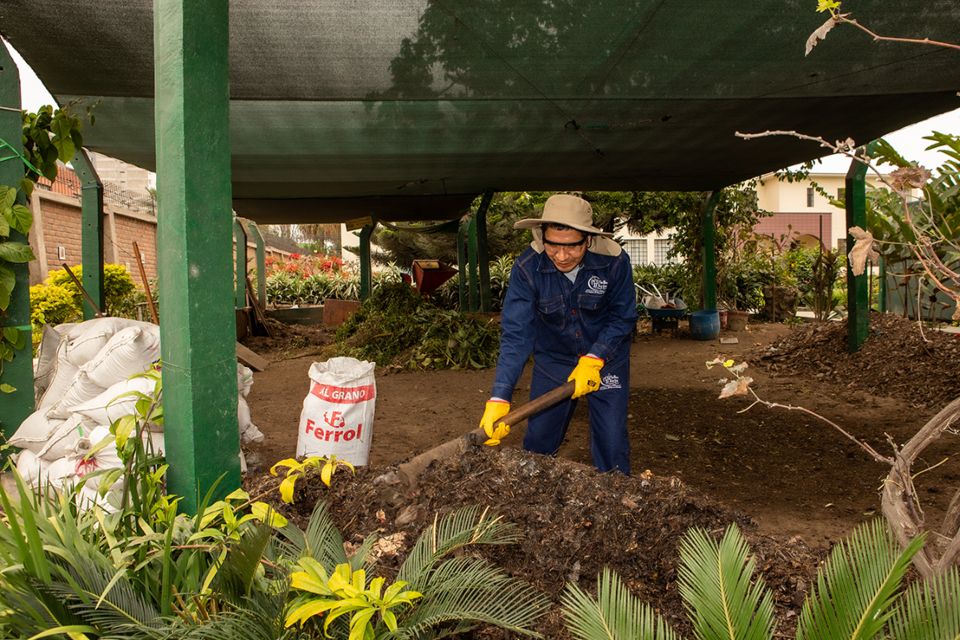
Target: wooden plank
[[251, 358]]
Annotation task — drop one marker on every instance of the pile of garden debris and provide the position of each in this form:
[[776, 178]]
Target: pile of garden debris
[[896, 361], [573, 520]]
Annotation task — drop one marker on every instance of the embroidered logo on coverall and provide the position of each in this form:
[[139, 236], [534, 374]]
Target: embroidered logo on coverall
[[609, 381], [596, 285]]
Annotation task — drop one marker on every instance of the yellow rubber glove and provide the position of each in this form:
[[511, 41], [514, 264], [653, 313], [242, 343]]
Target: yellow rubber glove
[[495, 410], [586, 376]]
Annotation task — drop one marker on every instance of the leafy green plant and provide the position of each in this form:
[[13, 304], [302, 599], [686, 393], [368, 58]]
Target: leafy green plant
[[299, 468], [48, 136], [859, 594]]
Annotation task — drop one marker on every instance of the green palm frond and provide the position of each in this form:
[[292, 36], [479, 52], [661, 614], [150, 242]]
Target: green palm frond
[[470, 591], [929, 610], [259, 617], [717, 586], [322, 540], [235, 579], [463, 527], [857, 586], [615, 613], [104, 600]]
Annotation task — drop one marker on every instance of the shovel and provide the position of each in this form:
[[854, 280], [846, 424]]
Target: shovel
[[410, 471]]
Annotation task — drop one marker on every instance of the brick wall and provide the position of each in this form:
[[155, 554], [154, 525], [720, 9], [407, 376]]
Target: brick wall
[[61, 230], [128, 230], [60, 217]]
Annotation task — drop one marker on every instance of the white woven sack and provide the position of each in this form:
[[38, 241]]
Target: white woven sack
[[337, 415], [81, 389], [34, 431], [244, 380], [59, 474], [128, 352], [105, 458], [85, 339], [29, 467], [46, 362], [112, 404], [63, 440], [61, 377]]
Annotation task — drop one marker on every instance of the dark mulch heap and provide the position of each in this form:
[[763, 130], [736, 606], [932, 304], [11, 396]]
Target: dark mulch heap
[[896, 361], [574, 522]]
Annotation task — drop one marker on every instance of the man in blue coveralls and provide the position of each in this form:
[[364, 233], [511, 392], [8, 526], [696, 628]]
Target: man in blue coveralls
[[571, 304]]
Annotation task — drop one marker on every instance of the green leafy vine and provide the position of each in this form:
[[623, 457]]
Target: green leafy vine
[[48, 136]]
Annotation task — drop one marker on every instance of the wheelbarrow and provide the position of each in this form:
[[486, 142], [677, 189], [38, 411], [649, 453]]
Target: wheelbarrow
[[666, 319]]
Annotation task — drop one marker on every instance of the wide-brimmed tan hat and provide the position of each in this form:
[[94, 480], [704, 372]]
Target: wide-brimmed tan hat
[[568, 210]]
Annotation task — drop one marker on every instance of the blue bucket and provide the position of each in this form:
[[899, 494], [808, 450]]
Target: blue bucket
[[705, 325]]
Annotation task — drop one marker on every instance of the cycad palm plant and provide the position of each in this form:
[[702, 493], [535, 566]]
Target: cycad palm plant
[[858, 595]]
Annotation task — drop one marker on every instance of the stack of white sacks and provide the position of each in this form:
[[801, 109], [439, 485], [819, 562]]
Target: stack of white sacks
[[82, 374]]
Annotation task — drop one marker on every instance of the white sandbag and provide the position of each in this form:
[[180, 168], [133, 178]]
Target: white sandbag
[[34, 431], [249, 433], [59, 474], [84, 341], [244, 380], [61, 377], [337, 415], [63, 440], [81, 389], [113, 403], [46, 362], [89, 497], [128, 352], [106, 458], [30, 466]]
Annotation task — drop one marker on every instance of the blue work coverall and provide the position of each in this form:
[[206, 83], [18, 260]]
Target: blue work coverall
[[558, 321]]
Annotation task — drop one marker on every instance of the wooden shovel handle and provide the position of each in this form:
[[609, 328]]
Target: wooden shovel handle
[[409, 471]]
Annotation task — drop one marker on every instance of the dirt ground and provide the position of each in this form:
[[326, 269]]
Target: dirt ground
[[794, 484]]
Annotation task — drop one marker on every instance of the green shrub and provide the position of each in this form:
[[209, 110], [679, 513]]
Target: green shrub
[[118, 286]]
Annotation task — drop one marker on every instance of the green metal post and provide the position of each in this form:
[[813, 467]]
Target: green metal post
[[858, 292], [483, 255], [462, 279], [91, 214], [254, 232], [366, 263], [240, 272], [17, 373], [708, 232], [472, 259], [198, 325]]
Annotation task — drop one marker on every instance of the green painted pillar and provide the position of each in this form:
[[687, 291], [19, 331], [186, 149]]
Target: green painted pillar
[[91, 215], [254, 231], [483, 255], [197, 323], [240, 272], [17, 373], [462, 277], [474, 284], [366, 262], [708, 233], [858, 287]]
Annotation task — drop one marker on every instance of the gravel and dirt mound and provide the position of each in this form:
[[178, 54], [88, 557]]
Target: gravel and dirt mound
[[573, 520], [896, 361]]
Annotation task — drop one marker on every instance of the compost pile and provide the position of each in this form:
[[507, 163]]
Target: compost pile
[[573, 520], [289, 340], [895, 361]]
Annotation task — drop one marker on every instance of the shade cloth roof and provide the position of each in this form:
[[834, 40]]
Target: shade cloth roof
[[408, 108]]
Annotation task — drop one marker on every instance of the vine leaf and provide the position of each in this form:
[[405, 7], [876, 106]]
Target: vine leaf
[[21, 218], [16, 252], [7, 388], [5, 224], [7, 281]]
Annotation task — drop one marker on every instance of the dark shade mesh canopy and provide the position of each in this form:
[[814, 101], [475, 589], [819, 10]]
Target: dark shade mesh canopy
[[407, 109]]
